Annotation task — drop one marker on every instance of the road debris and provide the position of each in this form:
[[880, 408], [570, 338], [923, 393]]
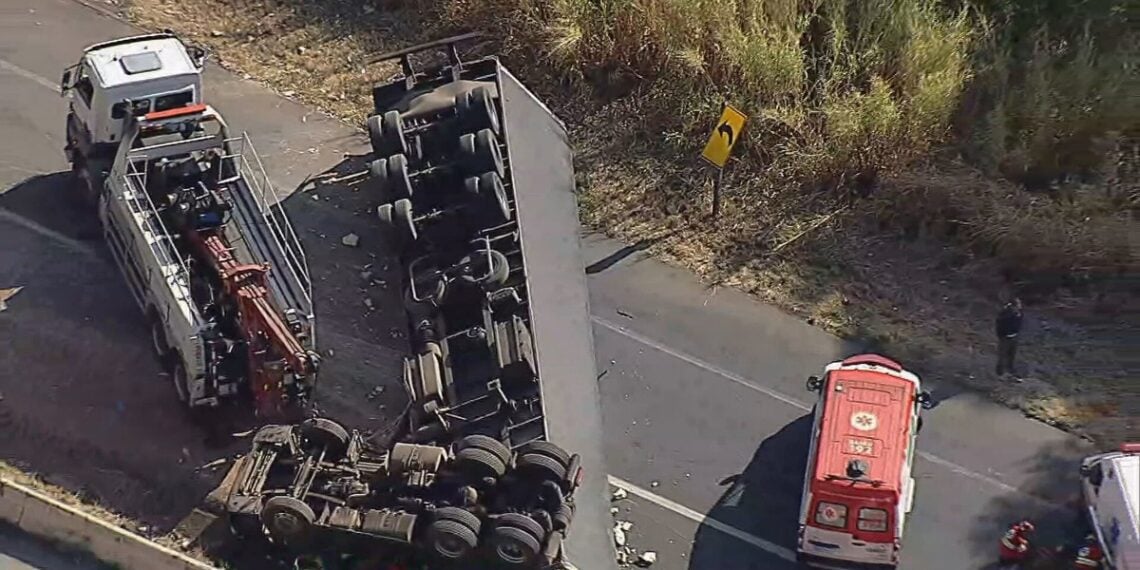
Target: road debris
[[619, 494], [213, 464], [368, 303], [6, 294], [647, 559], [350, 240], [619, 535]]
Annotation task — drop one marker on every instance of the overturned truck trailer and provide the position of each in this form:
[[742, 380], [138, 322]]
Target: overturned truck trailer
[[499, 460]]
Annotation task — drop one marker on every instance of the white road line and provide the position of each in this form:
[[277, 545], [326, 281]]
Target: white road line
[[737, 379], [698, 518], [40, 80], [72, 244]]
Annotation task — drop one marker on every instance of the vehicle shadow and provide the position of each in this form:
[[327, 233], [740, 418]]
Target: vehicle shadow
[[356, 295], [1049, 498], [762, 501], [84, 399], [51, 202]]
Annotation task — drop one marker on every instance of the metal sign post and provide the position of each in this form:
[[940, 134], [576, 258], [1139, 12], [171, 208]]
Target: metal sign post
[[719, 147]]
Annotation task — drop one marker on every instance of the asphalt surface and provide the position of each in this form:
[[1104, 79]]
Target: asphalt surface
[[19, 551], [702, 390]]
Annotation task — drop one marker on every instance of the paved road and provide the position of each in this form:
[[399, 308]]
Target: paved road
[[19, 551], [702, 392]]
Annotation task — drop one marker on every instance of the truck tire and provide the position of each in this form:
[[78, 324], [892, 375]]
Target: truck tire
[[546, 448], [516, 540], [479, 153], [541, 467], [487, 443], [386, 134], [403, 218], [327, 434], [158, 339], [494, 195], [476, 110], [563, 516], [454, 533], [398, 183], [479, 464], [488, 278], [288, 519], [180, 380]]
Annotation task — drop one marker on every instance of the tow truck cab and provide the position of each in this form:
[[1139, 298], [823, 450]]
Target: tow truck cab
[[1110, 490], [115, 80], [858, 486]]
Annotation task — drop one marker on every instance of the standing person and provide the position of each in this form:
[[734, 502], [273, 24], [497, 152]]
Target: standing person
[[1008, 326]]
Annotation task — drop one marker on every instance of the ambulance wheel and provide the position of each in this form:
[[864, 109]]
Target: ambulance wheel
[[454, 533]]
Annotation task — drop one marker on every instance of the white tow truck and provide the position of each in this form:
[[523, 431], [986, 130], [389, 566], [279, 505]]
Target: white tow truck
[[1110, 491], [194, 225]]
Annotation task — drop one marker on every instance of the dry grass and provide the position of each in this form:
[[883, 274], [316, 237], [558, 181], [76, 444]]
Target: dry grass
[[641, 80]]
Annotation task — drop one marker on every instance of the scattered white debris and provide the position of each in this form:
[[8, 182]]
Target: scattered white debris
[[365, 275], [316, 198], [625, 525], [620, 494], [212, 464], [216, 33], [375, 393], [654, 484], [301, 50], [614, 510], [622, 557], [647, 558], [350, 240], [245, 433], [288, 93], [368, 303], [329, 353], [619, 535]]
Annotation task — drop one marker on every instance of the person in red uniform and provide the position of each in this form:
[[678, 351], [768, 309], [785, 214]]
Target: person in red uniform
[[1089, 555], [1014, 547]]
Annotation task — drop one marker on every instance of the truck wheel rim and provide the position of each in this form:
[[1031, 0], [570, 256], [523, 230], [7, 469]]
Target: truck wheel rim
[[287, 524], [451, 546], [509, 551]]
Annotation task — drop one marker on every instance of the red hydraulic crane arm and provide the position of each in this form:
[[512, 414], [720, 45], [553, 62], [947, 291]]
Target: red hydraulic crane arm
[[272, 346]]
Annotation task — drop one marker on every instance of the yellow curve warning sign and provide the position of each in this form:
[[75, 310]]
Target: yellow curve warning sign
[[724, 136]]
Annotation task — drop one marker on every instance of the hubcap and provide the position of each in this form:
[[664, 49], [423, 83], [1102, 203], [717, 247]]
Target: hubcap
[[451, 546]]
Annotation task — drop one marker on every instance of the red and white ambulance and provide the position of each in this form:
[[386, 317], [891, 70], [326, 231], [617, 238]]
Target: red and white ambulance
[[858, 487]]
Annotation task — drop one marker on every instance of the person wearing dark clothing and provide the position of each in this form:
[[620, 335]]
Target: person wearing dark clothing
[[1008, 326]]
